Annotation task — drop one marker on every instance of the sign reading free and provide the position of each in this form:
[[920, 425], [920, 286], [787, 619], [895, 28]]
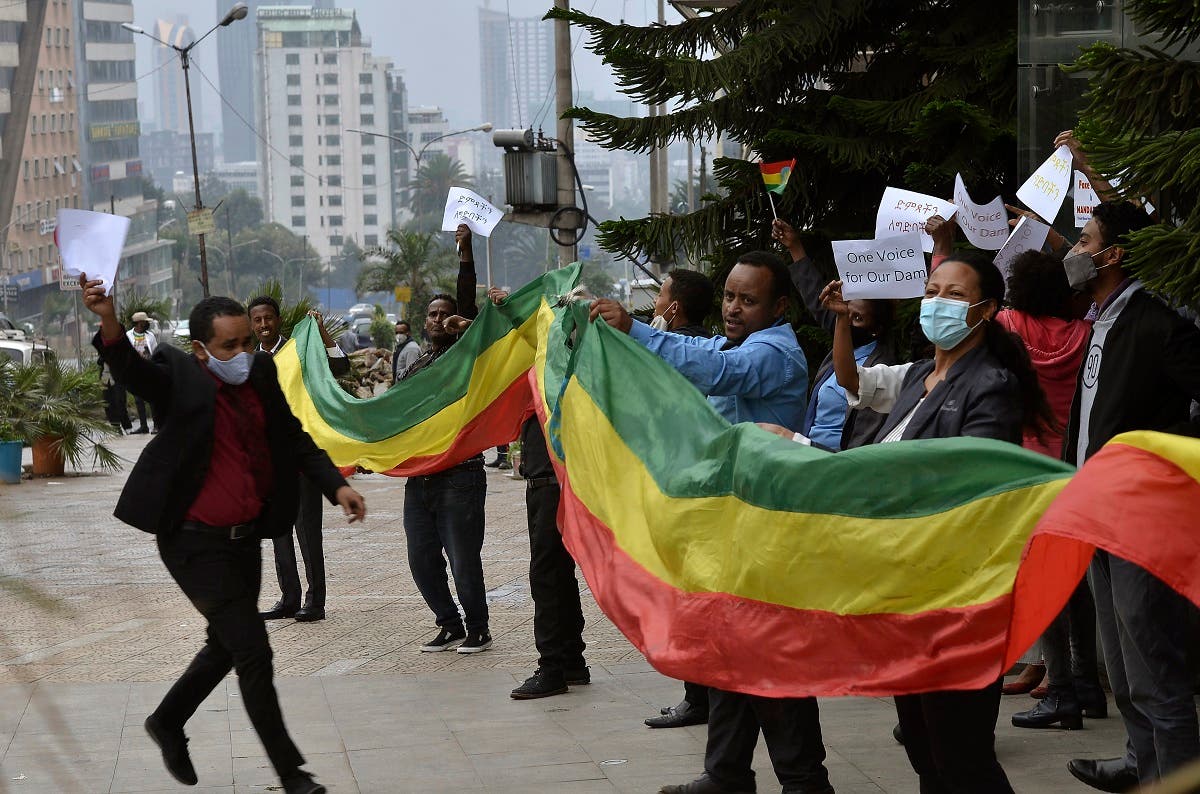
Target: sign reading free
[[888, 267]]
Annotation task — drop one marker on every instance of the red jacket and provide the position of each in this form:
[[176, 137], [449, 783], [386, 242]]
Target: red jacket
[[1056, 347]]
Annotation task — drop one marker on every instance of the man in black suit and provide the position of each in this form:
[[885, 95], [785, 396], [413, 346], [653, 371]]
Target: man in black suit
[[220, 477], [265, 321]]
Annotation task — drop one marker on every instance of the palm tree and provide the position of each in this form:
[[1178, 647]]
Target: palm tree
[[407, 258], [436, 175]]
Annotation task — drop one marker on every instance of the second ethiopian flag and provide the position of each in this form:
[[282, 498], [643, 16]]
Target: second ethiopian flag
[[775, 175]]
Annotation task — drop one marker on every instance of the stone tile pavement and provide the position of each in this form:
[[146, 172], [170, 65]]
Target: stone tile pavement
[[85, 658]]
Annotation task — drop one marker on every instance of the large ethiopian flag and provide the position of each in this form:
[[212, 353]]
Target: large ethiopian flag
[[735, 558]]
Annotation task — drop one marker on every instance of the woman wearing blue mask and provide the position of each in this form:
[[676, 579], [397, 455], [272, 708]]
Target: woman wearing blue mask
[[979, 383]]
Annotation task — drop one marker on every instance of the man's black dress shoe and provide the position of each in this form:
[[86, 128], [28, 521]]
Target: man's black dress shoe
[[1092, 700], [301, 782], [1053, 711], [279, 611], [1106, 774], [173, 744], [701, 785], [309, 614], [679, 717]]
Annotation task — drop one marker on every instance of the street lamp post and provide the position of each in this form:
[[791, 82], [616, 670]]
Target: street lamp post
[[417, 154], [238, 11]]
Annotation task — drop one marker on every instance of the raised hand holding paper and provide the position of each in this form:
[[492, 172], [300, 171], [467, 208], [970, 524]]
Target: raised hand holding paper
[[889, 267], [91, 242], [465, 206], [903, 211], [1045, 190], [1027, 235], [986, 226]]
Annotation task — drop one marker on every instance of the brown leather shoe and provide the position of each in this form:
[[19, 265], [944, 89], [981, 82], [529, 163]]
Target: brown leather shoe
[[1029, 678]]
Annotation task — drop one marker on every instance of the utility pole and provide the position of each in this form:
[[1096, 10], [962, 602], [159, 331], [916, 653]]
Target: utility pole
[[566, 127], [660, 190]]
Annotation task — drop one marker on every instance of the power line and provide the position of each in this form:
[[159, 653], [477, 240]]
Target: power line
[[512, 59], [544, 107]]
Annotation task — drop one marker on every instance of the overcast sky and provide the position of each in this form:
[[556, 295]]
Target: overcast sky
[[435, 42]]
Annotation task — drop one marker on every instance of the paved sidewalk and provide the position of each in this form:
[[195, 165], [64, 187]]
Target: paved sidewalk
[[370, 712]]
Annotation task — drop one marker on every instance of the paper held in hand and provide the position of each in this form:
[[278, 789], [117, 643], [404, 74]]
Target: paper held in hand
[[1027, 235], [91, 242], [889, 267], [1085, 199], [465, 206], [1045, 190], [985, 225], [902, 211]]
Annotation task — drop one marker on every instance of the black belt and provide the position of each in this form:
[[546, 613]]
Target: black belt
[[540, 482], [234, 532]]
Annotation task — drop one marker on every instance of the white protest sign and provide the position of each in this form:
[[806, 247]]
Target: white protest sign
[[902, 211], [1045, 190], [91, 242], [889, 267], [464, 206], [985, 225], [1085, 198], [1027, 235]]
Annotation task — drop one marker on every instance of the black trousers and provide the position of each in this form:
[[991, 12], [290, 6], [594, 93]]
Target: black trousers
[[116, 410], [222, 577], [950, 738], [557, 614], [791, 727], [696, 694], [1069, 646], [308, 534]]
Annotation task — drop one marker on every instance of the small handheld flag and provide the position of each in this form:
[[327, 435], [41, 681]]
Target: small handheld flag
[[775, 177]]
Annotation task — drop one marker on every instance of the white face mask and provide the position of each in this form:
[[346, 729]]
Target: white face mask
[[660, 321], [235, 371]]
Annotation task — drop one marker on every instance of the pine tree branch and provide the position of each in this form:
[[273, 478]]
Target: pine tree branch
[[1177, 23]]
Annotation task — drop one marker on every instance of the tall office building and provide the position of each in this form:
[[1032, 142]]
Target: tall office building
[[398, 128], [516, 64], [169, 91], [235, 50], [40, 143], [108, 112], [315, 77]]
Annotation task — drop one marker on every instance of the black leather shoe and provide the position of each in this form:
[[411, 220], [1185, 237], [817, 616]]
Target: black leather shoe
[[897, 734], [309, 614], [542, 684], [302, 783], [279, 612], [680, 717], [495, 464], [1053, 711], [1106, 774], [579, 677], [173, 744], [701, 785]]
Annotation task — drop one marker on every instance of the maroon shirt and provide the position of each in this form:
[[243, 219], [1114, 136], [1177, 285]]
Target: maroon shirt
[[239, 471]]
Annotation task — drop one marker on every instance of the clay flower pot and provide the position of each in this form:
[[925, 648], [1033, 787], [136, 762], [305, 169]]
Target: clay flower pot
[[48, 458]]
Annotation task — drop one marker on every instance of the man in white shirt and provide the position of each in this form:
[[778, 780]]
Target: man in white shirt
[[145, 343]]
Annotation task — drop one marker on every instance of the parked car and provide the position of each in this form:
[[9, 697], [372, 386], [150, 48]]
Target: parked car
[[362, 310], [181, 329], [15, 346]]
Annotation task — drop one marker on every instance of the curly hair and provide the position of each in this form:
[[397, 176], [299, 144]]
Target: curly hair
[[1038, 286]]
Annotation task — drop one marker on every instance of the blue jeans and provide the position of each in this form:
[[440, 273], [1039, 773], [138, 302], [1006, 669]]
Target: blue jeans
[[444, 512]]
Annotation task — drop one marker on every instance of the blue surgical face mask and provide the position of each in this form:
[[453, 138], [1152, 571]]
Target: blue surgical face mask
[[944, 321], [235, 371]]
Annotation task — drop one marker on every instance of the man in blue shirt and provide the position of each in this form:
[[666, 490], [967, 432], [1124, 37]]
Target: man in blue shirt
[[755, 373]]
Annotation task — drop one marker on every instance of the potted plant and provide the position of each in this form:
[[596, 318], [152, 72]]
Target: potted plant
[[59, 411], [10, 454]]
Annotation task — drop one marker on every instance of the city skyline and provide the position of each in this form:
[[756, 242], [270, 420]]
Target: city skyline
[[454, 85]]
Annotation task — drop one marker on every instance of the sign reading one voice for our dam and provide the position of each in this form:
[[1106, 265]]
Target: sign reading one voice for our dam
[[902, 211], [889, 267], [985, 225]]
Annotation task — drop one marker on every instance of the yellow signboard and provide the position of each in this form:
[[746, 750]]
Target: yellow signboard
[[403, 294], [116, 129], [201, 221]]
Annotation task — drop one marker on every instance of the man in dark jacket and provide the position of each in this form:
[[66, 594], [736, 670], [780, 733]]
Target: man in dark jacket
[[219, 477], [265, 322], [1141, 372]]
